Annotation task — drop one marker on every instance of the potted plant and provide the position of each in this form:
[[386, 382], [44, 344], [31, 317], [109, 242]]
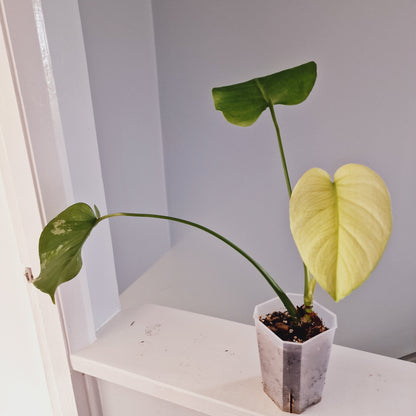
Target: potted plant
[[341, 228]]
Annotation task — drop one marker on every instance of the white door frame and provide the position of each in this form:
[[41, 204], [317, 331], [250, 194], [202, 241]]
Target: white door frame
[[27, 219], [38, 180]]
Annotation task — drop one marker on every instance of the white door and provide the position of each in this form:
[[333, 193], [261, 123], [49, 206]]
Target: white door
[[35, 376], [23, 386]]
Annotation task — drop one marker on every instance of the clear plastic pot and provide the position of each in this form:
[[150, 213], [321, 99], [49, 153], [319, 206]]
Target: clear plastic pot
[[294, 373]]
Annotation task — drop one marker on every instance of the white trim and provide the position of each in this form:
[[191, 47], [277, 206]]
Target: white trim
[[23, 80], [22, 199], [59, 29], [93, 395]]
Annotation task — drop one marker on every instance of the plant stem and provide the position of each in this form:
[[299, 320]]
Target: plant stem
[[310, 283], [282, 153], [282, 295]]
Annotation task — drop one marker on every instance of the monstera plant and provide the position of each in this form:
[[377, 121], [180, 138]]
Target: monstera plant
[[341, 226]]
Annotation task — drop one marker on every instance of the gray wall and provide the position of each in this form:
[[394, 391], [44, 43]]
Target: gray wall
[[361, 110], [120, 49], [228, 178]]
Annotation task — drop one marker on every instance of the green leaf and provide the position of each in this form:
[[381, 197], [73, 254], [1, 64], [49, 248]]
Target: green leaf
[[243, 103], [341, 228], [60, 247]]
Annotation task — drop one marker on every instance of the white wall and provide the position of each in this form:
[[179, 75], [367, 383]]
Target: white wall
[[21, 366], [361, 110], [76, 140], [120, 49]]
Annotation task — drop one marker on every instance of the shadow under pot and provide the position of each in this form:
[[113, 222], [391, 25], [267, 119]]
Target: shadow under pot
[[294, 373]]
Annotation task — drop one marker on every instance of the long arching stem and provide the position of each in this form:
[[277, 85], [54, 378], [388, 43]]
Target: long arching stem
[[282, 295]]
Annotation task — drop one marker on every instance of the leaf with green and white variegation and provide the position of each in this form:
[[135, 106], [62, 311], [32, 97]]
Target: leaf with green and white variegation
[[243, 103], [341, 227], [60, 246]]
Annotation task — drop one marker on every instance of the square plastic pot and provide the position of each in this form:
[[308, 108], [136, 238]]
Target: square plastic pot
[[294, 373]]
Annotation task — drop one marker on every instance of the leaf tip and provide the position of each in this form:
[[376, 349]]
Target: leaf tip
[[97, 211], [52, 295], [39, 284]]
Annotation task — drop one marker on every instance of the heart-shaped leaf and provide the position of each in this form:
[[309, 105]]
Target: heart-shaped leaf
[[60, 247], [341, 228], [243, 103]]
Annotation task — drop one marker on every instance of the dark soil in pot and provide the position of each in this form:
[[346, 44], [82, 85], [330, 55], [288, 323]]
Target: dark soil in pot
[[284, 327]]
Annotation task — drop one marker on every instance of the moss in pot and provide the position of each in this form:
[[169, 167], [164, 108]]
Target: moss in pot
[[340, 227]]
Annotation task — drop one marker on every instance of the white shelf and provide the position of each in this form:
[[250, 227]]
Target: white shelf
[[211, 365]]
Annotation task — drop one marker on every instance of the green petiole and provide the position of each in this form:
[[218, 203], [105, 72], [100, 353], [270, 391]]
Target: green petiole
[[279, 292], [309, 281]]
